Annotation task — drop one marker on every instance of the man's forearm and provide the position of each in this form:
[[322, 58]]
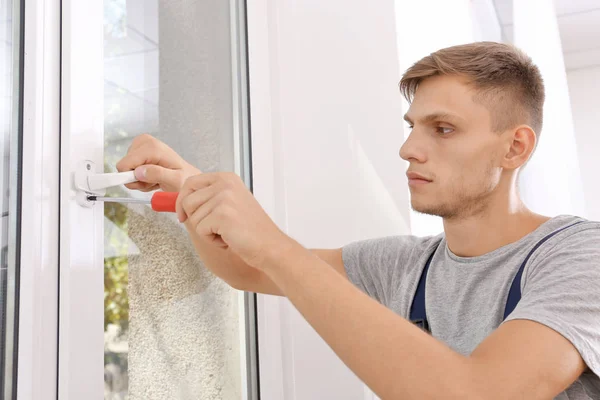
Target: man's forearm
[[391, 355], [233, 270]]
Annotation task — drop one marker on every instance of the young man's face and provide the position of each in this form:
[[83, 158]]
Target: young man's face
[[453, 147]]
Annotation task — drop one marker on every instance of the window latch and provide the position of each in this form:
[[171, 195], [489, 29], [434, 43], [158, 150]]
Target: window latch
[[88, 182]]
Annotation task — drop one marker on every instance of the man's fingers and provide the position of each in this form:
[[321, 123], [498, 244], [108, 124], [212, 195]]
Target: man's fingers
[[195, 200], [150, 188], [209, 223], [141, 140], [145, 154], [190, 198], [197, 182], [142, 186], [159, 175], [204, 204], [150, 152]]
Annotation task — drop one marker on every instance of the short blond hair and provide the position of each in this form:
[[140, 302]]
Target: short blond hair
[[505, 79]]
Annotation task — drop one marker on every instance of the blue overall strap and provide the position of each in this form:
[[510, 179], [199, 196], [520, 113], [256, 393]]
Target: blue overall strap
[[418, 313], [514, 295]]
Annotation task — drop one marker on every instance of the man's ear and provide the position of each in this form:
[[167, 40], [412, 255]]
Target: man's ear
[[521, 143]]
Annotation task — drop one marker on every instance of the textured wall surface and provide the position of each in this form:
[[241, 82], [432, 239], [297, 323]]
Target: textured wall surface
[[184, 322], [183, 339]]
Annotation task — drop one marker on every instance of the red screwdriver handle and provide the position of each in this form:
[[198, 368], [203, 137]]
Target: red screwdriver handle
[[164, 201]]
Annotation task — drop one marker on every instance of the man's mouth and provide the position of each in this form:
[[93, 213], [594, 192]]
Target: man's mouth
[[416, 179]]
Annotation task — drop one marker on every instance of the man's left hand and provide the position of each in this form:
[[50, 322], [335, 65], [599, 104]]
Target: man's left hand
[[218, 206]]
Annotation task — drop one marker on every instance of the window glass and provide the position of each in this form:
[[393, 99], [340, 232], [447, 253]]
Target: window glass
[[172, 329]]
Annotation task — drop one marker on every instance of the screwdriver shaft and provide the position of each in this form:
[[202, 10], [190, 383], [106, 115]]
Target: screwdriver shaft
[[160, 202], [118, 200]]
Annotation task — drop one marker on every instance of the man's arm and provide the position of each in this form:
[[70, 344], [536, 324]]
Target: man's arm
[[394, 357], [232, 269], [521, 359]]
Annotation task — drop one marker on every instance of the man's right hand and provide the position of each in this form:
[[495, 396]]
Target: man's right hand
[[156, 165]]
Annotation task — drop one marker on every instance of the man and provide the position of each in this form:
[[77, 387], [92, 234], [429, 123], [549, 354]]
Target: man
[[476, 116]]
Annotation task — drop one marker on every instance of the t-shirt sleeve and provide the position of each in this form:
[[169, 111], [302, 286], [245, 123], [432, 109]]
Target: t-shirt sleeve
[[375, 265], [561, 290]]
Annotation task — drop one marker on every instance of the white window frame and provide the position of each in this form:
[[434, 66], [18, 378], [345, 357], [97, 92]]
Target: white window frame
[[38, 286], [264, 90], [81, 317], [81, 340], [60, 342]]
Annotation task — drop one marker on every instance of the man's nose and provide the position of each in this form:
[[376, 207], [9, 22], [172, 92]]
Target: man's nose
[[413, 149]]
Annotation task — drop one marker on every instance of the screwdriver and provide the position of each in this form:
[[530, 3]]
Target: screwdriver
[[160, 202]]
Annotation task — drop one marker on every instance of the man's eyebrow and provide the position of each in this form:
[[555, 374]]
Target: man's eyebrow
[[434, 117]]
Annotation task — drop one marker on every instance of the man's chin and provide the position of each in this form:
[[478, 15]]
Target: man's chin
[[426, 209]]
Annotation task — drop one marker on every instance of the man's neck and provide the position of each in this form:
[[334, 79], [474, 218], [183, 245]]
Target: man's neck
[[480, 234]]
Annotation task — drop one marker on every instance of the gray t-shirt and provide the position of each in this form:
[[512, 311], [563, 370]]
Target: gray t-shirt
[[466, 296]]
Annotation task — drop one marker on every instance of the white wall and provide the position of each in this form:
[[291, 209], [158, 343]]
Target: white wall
[[327, 127], [551, 182], [326, 131], [584, 89]]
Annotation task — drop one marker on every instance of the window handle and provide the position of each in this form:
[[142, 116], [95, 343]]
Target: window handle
[[87, 180], [98, 182]]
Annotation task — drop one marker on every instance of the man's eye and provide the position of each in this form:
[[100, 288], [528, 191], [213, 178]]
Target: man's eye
[[409, 127], [444, 131]]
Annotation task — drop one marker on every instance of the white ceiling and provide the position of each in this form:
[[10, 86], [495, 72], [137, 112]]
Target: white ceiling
[[579, 26]]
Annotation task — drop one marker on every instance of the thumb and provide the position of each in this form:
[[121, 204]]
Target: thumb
[[157, 174]]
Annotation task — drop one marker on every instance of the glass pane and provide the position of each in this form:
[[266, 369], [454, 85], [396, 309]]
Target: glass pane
[[10, 132], [172, 330]]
